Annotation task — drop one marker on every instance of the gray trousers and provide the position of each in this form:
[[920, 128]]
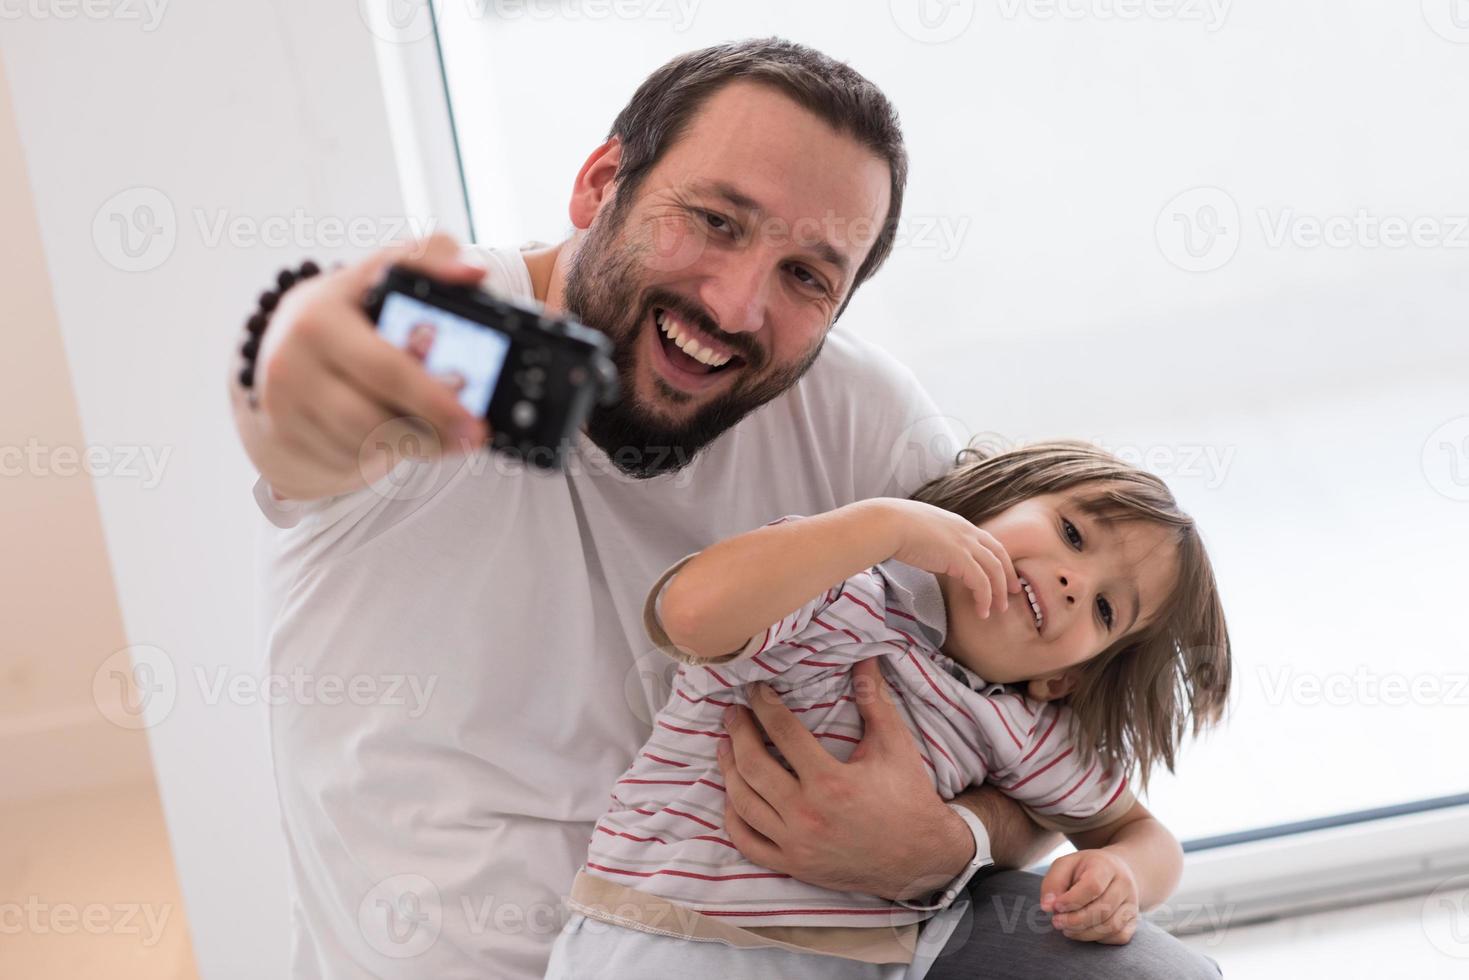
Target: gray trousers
[[1010, 938]]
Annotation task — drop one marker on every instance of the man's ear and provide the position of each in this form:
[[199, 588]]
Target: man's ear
[[1052, 687], [594, 185]]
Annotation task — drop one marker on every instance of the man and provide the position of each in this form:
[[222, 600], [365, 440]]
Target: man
[[743, 195]]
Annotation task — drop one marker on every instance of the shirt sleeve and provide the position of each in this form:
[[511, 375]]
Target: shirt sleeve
[[906, 440], [1048, 774]]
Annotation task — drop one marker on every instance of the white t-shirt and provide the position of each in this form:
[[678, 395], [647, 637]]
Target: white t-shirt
[[469, 638]]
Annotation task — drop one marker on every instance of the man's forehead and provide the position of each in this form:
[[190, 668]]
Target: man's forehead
[[783, 159]]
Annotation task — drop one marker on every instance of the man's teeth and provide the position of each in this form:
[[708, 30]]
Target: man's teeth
[[1035, 606], [686, 343]]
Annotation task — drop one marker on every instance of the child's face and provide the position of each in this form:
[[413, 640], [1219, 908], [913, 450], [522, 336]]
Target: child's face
[[1095, 582]]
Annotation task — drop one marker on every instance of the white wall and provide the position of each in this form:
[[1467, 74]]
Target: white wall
[[250, 112]]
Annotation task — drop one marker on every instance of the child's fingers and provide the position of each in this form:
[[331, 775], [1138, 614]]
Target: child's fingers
[[1118, 894], [1012, 577], [994, 573], [1087, 887], [1057, 880], [977, 582], [1115, 930]]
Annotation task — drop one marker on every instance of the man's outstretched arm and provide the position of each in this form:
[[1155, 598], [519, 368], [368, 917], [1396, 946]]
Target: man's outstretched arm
[[872, 824]]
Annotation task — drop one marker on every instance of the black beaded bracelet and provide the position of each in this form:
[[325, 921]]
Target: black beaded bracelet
[[260, 319]]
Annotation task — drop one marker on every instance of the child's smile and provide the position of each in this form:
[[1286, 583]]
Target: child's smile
[[1086, 583]]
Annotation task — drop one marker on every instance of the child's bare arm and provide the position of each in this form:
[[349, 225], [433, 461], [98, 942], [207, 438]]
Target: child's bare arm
[[1118, 871], [733, 590]]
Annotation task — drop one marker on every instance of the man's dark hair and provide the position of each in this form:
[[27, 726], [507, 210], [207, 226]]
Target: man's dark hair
[[668, 99]]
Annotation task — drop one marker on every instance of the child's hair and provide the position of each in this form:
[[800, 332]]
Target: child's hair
[[1135, 700]]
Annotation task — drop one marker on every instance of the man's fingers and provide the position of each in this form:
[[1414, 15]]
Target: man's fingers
[[745, 801], [343, 412], [401, 385], [756, 766], [440, 256], [880, 716], [751, 843], [795, 742]]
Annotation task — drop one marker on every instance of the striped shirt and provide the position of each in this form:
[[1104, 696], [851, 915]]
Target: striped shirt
[[664, 834]]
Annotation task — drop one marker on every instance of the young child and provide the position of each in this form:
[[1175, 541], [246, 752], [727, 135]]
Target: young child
[[1112, 646]]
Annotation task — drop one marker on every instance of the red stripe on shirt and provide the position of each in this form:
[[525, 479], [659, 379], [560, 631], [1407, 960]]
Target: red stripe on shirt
[[938, 690], [836, 629], [1004, 721], [870, 611], [685, 874], [691, 731], [1039, 771], [640, 840], [1054, 719], [1050, 803]]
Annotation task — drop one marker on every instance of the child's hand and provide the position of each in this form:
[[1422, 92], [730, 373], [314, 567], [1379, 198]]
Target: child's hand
[[944, 543], [1092, 897]]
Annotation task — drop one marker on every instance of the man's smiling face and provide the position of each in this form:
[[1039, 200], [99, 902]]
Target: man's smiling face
[[718, 281]]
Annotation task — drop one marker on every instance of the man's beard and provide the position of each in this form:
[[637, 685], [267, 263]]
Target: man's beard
[[604, 290]]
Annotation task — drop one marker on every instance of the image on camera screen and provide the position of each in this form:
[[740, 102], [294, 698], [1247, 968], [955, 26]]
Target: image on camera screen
[[464, 356]]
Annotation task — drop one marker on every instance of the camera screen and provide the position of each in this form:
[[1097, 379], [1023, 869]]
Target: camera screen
[[464, 356]]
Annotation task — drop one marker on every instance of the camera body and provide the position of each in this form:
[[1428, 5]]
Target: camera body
[[534, 378]]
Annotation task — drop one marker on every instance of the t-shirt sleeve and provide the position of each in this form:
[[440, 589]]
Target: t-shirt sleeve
[[909, 440], [337, 524], [1050, 776]]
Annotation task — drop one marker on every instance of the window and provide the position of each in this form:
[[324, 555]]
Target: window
[[1230, 243]]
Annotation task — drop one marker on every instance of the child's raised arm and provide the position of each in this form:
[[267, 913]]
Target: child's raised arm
[[733, 590]]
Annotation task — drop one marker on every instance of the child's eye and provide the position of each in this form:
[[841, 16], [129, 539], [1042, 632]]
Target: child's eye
[[1104, 609], [1072, 534]]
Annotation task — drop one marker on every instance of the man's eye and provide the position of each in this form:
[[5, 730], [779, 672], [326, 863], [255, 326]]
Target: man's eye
[[806, 277], [1072, 534], [1104, 609], [718, 222]]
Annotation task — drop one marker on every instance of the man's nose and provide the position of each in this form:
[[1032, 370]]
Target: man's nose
[[738, 294]]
